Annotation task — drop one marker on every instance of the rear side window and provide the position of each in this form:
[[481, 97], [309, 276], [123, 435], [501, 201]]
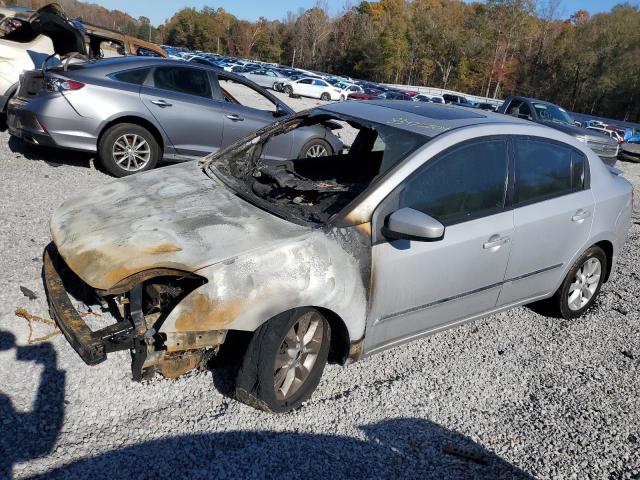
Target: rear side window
[[545, 170], [467, 182], [137, 77], [191, 81]]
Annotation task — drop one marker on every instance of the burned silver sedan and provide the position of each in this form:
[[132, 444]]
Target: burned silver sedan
[[432, 216]]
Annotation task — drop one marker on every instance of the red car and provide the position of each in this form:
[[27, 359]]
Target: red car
[[411, 93], [368, 94]]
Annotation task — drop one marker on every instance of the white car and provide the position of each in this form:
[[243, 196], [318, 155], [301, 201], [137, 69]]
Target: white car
[[265, 77], [313, 87], [347, 88], [610, 133]]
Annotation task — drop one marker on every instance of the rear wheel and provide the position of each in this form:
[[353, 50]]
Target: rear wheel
[[342, 98], [582, 284], [128, 148], [316, 147], [325, 96], [284, 361]]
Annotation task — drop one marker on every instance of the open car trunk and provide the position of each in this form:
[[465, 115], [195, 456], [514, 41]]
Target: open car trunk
[[50, 21]]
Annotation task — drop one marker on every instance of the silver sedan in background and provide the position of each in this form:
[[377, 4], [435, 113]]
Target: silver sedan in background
[[134, 112]]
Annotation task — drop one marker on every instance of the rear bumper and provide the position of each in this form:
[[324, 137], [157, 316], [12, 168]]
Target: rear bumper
[[23, 124], [51, 122]]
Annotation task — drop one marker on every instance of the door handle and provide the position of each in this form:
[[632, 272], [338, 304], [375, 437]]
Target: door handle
[[495, 242], [235, 118], [580, 215], [161, 103]]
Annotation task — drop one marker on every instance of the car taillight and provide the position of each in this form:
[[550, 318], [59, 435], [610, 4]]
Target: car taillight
[[59, 85]]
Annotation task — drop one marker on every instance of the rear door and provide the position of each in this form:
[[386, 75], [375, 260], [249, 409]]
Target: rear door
[[553, 212], [181, 100], [304, 87]]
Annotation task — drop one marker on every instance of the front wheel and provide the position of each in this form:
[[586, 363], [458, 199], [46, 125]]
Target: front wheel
[[342, 98], [325, 96], [284, 361], [582, 284], [288, 90], [128, 148]]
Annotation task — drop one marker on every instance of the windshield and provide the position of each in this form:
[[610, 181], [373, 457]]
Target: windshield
[[552, 113], [312, 189]]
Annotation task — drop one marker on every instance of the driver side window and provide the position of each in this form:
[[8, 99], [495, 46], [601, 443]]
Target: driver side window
[[465, 183]]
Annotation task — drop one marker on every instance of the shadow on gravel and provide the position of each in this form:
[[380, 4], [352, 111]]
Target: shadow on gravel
[[401, 448], [32, 434], [51, 156]]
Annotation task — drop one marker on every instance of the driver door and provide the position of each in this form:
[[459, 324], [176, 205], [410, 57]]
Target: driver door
[[422, 286]]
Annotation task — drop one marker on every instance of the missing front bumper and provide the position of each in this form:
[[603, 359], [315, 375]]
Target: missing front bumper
[[91, 346]]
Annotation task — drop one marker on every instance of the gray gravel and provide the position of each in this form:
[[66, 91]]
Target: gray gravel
[[520, 394]]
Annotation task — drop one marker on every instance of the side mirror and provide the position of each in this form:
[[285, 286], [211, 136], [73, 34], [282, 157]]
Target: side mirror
[[411, 224], [280, 111]]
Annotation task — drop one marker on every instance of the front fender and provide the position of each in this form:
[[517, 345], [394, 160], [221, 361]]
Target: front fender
[[244, 292]]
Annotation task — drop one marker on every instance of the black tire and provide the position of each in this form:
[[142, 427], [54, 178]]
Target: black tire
[[325, 96], [276, 86], [342, 98], [559, 303], [255, 383], [319, 143], [288, 90], [116, 132]]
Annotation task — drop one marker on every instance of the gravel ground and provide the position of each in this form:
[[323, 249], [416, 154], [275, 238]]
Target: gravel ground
[[519, 394]]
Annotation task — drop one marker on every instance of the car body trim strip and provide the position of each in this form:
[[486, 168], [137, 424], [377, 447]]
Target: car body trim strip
[[466, 294]]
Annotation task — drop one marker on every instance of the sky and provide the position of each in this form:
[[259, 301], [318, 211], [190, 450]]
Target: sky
[[160, 10]]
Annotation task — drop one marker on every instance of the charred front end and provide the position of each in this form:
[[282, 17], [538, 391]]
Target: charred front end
[[139, 306]]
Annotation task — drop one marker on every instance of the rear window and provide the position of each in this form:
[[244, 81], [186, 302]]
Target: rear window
[[545, 170], [137, 77]]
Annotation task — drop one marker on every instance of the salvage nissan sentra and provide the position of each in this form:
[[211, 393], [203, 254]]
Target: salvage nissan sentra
[[432, 216]]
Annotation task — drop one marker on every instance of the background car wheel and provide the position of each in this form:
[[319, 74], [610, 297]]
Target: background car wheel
[[582, 284], [316, 147], [128, 148], [275, 86], [342, 98], [325, 96], [284, 361], [288, 90]]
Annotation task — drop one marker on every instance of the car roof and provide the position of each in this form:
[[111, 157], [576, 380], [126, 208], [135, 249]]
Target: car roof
[[428, 119]]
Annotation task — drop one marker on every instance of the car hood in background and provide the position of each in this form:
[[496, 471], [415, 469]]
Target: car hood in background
[[175, 217], [576, 131]]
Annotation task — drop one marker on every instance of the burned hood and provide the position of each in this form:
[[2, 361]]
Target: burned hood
[[175, 217]]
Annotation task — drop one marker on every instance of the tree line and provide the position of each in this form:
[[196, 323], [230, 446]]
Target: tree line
[[589, 64], [494, 48]]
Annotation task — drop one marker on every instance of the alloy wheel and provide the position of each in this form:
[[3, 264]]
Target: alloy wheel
[[585, 284], [297, 354], [131, 152], [317, 151]]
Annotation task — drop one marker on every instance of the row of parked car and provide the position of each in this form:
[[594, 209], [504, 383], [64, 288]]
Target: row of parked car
[[285, 232]]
